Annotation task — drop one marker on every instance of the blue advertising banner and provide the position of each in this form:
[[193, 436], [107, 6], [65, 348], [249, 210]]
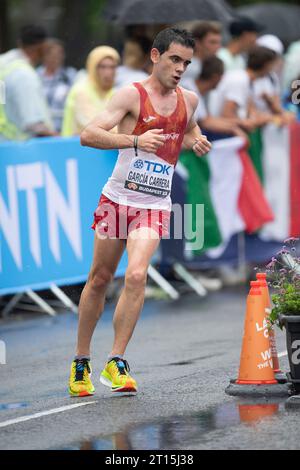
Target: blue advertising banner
[[49, 189]]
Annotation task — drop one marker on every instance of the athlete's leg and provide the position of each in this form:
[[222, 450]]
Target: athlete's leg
[[107, 254], [140, 249]]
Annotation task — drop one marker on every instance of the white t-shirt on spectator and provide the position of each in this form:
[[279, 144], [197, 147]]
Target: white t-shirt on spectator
[[231, 62], [235, 86], [292, 64], [25, 101], [126, 76], [201, 111], [56, 88], [269, 85]]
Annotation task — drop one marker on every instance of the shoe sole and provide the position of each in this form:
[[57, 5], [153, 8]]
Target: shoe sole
[[81, 394], [118, 391]]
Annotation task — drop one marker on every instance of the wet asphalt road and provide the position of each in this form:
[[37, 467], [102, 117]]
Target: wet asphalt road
[[183, 354]]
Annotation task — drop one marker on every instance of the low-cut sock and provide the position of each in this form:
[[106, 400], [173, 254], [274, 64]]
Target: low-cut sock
[[109, 358], [80, 358], [119, 356]]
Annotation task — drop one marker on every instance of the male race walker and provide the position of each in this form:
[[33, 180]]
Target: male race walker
[[155, 121]]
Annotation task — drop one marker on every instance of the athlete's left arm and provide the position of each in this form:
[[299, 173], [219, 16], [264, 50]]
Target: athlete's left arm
[[193, 138]]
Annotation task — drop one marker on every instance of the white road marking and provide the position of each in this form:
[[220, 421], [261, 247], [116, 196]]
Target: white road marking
[[282, 354], [43, 413]]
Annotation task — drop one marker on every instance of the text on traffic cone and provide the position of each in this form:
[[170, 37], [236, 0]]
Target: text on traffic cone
[[262, 277], [256, 365]]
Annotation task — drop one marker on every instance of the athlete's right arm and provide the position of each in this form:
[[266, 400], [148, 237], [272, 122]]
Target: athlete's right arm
[[97, 134]]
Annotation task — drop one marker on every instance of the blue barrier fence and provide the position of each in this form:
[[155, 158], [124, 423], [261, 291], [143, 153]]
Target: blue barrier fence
[[49, 189]]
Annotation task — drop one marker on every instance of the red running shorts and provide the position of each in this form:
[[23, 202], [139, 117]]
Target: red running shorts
[[113, 220]]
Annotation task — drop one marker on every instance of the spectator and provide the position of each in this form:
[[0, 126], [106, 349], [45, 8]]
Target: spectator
[[267, 90], [244, 33], [292, 64], [89, 96], [208, 40], [56, 79], [211, 75], [25, 113], [136, 57], [233, 97], [291, 99]]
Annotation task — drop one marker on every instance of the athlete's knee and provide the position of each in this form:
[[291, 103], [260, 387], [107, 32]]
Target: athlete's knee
[[135, 278], [99, 280]]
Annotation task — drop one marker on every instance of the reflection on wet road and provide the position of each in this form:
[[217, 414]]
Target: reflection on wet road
[[12, 406], [178, 431]]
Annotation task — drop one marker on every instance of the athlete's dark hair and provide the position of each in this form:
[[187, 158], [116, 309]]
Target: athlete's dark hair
[[31, 35], [210, 67], [260, 56], [165, 38]]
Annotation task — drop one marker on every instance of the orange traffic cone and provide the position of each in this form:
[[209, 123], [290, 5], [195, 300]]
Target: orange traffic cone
[[262, 277], [256, 375], [256, 365]]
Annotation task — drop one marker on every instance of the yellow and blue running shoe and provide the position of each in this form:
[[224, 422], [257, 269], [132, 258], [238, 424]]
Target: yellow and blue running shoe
[[116, 376], [80, 384]]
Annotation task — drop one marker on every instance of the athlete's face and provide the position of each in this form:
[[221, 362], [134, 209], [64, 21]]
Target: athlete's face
[[170, 66]]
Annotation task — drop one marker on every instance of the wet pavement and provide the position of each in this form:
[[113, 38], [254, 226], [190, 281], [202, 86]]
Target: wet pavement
[[173, 432], [183, 355], [12, 406]]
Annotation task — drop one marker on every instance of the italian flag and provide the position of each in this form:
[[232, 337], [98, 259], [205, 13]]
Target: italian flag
[[226, 182], [275, 152]]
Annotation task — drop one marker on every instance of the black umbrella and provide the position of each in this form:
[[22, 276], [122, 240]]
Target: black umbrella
[[280, 19], [129, 12]]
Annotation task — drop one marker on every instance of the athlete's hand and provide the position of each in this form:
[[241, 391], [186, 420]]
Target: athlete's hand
[[151, 141], [202, 146]]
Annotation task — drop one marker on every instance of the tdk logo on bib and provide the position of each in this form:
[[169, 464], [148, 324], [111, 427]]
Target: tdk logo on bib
[[157, 167], [139, 164]]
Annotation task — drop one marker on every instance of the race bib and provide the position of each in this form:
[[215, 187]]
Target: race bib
[[150, 177]]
